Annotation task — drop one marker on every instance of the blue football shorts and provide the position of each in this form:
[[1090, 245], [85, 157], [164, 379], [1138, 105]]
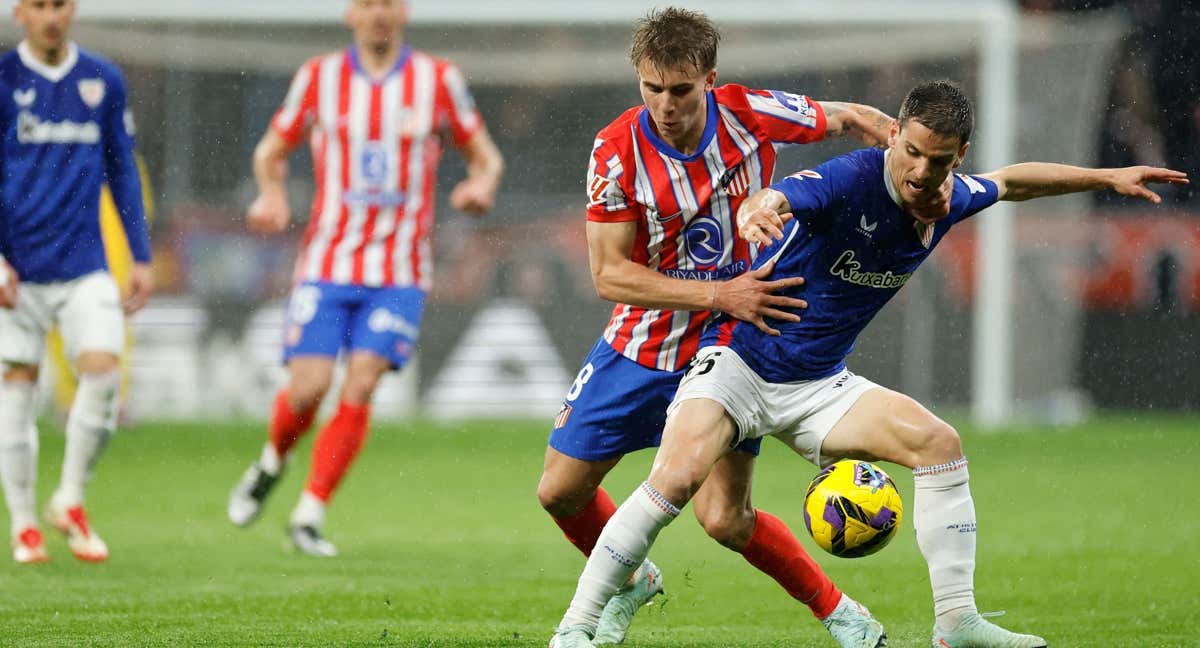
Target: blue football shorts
[[617, 406], [324, 318]]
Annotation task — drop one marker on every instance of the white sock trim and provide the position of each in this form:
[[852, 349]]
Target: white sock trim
[[949, 466]]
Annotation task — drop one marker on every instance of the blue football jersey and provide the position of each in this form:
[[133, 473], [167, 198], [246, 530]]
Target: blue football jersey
[[65, 132], [855, 247]]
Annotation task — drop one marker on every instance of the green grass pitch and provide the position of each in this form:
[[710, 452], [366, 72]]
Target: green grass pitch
[[1088, 536]]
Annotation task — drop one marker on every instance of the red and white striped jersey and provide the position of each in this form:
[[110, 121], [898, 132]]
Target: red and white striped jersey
[[376, 144], [685, 205]]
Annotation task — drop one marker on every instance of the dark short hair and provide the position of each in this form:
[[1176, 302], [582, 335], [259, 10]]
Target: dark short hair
[[940, 106], [675, 38]]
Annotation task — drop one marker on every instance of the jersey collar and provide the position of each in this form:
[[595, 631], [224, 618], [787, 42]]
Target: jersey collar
[[54, 73], [710, 129], [358, 67], [887, 180]]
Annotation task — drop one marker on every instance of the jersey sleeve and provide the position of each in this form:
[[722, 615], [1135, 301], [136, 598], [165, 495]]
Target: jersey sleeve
[[458, 106], [607, 202], [786, 117], [978, 193], [813, 191], [121, 172], [299, 108]]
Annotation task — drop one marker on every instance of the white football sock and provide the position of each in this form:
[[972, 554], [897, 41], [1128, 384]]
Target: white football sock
[[944, 519], [18, 452], [91, 423], [620, 550], [270, 461], [309, 511]]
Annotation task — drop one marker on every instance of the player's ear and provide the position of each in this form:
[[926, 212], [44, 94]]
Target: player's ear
[[893, 134], [962, 153], [710, 79]]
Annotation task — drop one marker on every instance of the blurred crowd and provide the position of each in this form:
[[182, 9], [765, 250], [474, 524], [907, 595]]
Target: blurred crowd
[[1154, 100]]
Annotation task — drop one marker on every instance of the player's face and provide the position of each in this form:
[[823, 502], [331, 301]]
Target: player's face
[[920, 160], [46, 22], [376, 23], [677, 100]]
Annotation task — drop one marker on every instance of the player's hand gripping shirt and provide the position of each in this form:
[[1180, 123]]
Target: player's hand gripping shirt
[[66, 131], [855, 247], [685, 205], [376, 144]]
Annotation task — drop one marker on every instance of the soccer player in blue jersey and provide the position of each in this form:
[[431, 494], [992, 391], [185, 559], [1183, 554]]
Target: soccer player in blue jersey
[[65, 130], [846, 227]]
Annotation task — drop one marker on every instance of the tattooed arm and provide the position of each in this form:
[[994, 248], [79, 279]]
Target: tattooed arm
[[864, 122]]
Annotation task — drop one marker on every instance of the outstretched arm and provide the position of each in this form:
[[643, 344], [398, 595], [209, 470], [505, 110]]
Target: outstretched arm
[[864, 122], [1030, 180]]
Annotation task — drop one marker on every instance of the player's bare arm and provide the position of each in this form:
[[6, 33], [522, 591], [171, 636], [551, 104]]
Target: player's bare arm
[[476, 194], [270, 212], [619, 279], [141, 284], [8, 285], [868, 124], [1030, 180]]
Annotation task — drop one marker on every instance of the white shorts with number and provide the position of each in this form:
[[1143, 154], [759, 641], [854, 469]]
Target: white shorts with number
[[86, 309], [800, 414]]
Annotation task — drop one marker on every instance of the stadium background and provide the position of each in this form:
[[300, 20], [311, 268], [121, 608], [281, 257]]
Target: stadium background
[[1105, 291], [1088, 531]]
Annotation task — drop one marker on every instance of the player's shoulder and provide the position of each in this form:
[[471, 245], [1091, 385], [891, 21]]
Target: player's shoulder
[[858, 164], [967, 185], [620, 130], [91, 62]]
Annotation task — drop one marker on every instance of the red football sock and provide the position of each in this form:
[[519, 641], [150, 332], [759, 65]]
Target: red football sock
[[287, 426], [776, 552], [583, 529], [336, 447]]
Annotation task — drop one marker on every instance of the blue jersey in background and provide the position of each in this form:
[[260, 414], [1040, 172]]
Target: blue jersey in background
[[65, 131], [855, 247]]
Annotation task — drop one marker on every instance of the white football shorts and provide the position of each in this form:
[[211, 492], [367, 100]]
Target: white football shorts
[[800, 414], [86, 309]]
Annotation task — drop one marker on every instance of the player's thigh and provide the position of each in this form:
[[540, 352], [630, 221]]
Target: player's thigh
[[614, 406], [91, 320], [886, 425], [698, 433], [316, 321], [386, 322], [363, 371], [22, 334]]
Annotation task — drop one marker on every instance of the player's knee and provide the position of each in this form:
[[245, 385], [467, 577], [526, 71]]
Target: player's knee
[[561, 502], [20, 373], [939, 443], [305, 392], [731, 526]]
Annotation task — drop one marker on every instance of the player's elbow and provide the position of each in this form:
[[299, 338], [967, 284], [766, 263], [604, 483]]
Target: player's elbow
[[604, 280]]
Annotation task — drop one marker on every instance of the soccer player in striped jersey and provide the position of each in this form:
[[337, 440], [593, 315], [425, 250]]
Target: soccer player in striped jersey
[[66, 130], [378, 115], [664, 183], [851, 232]]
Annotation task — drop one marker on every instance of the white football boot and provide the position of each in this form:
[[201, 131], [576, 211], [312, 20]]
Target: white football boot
[[576, 636], [82, 539], [973, 631], [852, 625], [618, 613], [29, 547], [246, 500]]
